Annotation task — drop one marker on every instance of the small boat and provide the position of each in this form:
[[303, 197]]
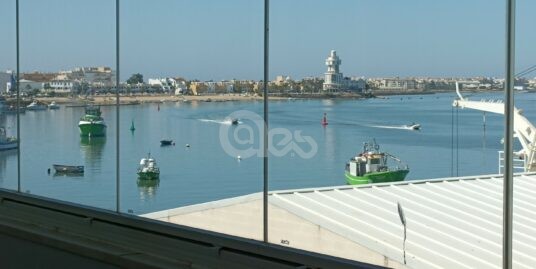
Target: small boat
[[132, 128], [36, 106], [53, 105], [414, 126], [370, 166], [7, 142], [74, 169], [324, 120], [166, 142], [234, 121], [148, 169]]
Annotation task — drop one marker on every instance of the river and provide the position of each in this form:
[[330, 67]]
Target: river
[[451, 142]]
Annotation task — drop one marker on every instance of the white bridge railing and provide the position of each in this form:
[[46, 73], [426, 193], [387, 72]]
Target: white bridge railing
[[519, 162]]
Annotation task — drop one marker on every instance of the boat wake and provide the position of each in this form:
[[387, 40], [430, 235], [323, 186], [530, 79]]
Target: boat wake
[[399, 127], [225, 121]]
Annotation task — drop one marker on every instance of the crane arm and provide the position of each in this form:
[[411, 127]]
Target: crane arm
[[524, 131]]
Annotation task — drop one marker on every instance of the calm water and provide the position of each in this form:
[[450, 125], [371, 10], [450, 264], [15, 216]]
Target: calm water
[[204, 172]]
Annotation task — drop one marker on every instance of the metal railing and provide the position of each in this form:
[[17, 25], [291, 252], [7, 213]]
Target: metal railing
[[519, 162]]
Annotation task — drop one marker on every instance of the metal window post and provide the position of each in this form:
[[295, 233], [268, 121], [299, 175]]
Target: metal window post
[[508, 184], [265, 133], [18, 93], [117, 174]]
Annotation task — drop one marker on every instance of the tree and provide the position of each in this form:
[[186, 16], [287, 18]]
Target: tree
[[135, 79]]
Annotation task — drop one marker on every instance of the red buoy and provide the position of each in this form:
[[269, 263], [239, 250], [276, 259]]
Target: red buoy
[[324, 121]]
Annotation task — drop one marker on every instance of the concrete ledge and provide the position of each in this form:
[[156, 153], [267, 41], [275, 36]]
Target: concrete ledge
[[104, 239]]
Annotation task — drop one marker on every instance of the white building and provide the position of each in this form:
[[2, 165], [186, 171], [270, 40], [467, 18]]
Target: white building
[[61, 86], [5, 81], [166, 84], [95, 76], [181, 87], [335, 81], [333, 78], [28, 85]]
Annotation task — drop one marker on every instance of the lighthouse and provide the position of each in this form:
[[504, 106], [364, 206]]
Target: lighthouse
[[333, 78]]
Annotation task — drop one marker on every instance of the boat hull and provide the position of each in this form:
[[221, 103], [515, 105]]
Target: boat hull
[[92, 129], [377, 177], [75, 169], [148, 175], [8, 145]]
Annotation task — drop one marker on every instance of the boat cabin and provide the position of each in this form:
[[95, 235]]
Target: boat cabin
[[366, 163]]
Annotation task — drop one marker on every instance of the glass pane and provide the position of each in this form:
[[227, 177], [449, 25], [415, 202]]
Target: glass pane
[[67, 53], [524, 156], [189, 68], [362, 108], [8, 109]]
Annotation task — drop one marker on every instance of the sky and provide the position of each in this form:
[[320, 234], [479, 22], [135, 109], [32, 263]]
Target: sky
[[216, 40]]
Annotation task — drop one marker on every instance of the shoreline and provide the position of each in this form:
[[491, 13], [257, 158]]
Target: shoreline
[[109, 100]]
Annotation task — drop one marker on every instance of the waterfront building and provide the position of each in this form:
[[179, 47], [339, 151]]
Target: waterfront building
[[95, 76], [281, 80], [39, 76], [333, 77], [5, 81], [60, 86], [29, 85], [397, 85], [165, 84]]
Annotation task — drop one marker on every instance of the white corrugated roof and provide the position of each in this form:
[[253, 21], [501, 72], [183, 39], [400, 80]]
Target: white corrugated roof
[[451, 223]]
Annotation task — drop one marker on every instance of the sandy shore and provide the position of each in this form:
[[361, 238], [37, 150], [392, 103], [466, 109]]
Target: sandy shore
[[135, 99]]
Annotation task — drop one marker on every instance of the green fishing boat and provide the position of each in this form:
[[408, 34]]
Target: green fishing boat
[[370, 166], [148, 169], [92, 124]]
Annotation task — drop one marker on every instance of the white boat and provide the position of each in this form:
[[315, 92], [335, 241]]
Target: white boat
[[7, 143], [148, 169], [36, 106], [414, 126], [53, 105]]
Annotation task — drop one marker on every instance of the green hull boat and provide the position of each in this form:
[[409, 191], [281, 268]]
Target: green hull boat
[[92, 129], [376, 177], [370, 166], [148, 175], [92, 124], [148, 169]]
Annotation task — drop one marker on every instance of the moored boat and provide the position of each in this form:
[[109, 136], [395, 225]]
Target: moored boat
[[148, 169], [53, 105], [166, 142], [7, 142], [75, 169], [92, 124], [370, 166], [36, 106]]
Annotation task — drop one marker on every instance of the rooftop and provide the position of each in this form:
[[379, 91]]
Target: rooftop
[[451, 222]]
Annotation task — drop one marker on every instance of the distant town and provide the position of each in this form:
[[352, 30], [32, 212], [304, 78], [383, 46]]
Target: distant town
[[101, 80]]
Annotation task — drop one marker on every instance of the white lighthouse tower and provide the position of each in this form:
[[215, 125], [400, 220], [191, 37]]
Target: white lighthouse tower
[[333, 79]]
